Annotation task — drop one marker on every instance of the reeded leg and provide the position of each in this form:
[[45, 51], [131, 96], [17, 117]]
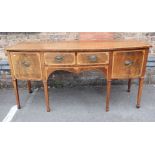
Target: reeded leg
[[129, 85], [108, 95], [46, 95], [141, 82], [15, 85], [29, 86]]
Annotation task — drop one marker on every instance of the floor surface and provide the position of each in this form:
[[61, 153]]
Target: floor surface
[[82, 104]]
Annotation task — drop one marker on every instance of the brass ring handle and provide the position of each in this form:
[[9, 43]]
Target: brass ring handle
[[128, 63], [92, 58], [59, 58], [26, 64]]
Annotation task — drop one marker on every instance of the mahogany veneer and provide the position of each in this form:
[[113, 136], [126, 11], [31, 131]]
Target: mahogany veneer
[[116, 59]]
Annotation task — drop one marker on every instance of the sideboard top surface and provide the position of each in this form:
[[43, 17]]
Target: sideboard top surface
[[78, 45]]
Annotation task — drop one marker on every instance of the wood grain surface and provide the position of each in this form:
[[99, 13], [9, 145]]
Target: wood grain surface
[[116, 59], [78, 46]]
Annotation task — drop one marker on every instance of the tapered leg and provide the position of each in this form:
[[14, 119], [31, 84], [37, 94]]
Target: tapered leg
[[108, 95], [141, 82], [129, 85], [29, 86], [46, 95], [15, 85]]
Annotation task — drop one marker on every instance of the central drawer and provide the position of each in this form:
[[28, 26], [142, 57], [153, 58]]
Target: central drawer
[[90, 58], [59, 58]]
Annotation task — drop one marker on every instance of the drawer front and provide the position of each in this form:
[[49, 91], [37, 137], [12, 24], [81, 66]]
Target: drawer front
[[127, 64], [26, 65], [90, 58], [59, 58]]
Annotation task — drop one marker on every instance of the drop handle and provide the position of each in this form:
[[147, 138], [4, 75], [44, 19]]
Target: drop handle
[[59, 58], [92, 58], [26, 64], [128, 63]]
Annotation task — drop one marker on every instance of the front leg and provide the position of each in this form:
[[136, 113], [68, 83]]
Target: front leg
[[46, 95], [108, 94], [15, 85], [29, 86], [129, 85], [141, 82]]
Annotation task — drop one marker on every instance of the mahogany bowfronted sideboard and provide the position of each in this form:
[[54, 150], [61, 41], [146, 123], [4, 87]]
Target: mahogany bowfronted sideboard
[[116, 59]]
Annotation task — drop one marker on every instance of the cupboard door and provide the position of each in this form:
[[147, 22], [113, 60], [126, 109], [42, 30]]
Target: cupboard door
[[26, 65], [127, 64]]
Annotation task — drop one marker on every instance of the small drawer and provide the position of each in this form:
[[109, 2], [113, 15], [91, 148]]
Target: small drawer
[[95, 58], [127, 64], [59, 58]]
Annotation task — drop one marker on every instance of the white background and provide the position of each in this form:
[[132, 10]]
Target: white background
[[77, 16]]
